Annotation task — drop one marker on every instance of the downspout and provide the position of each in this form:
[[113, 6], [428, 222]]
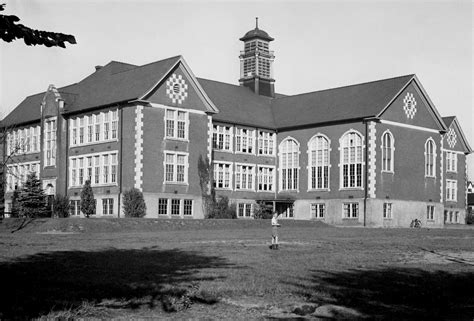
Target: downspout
[[366, 172], [120, 108]]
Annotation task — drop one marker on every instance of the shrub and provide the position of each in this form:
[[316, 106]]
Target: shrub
[[262, 211], [133, 203], [470, 217], [87, 200], [15, 210], [32, 201], [222, 209], [61, 206]]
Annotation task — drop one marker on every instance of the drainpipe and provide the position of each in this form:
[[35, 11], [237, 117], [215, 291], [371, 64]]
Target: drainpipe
[[120, 112], [366, 172]]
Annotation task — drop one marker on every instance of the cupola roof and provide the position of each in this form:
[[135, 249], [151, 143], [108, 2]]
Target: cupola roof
[[256, 33]]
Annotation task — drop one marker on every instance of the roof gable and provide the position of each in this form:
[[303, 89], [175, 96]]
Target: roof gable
[[454, 139], [180, 88], [412, 106], [338, 104]]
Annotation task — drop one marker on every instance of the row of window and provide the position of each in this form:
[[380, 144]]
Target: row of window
[[107, 207], [17, 174], [245, 177], [451, 217], [50, 142], [25, 140], [99, 169], [175, 207], [243, 140], [95, 128]]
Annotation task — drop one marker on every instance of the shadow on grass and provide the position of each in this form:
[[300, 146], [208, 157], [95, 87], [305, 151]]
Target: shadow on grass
[[56, 281], [394, 293]]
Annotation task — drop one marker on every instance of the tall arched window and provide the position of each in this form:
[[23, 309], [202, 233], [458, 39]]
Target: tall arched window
[[351, 160], [430, 157], [289, 164], [318, 169], [387, 152]]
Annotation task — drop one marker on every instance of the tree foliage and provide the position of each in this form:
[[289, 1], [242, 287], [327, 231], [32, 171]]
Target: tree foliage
[[222, 209], [133, 203], [262, 211], [11, 30], [87, 199], [61, 206], [32, 200]]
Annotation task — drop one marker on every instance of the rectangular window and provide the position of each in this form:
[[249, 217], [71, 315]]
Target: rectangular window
[[100, 168], [266, 143], [222, 137], [81, 171], [89, 169], [106, 126], [451, 190], [222, 175], [387, 210], [105, 166], [50, 142], [81, 130], [107, 206], [113, 172], [163, 206], [244, 177], [90, 129], [244, 140], [175, 206], [266, 178], [98, 120], [176, 165], [176, 124], [114, 124], [97, 169], [318, 210], [74, 208], [430, 212], [351, 210], [188, 207], [451, 162], [245, 210]]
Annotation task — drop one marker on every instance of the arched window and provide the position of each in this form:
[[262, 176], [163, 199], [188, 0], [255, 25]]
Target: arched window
[[289, 164], [387, 152], [351, 160], [430, 158], [318, 169]]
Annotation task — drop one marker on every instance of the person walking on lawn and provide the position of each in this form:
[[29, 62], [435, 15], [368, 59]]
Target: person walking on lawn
[[275, 227]]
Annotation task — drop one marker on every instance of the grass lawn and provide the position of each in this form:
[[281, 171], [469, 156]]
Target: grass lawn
[[127, 268]]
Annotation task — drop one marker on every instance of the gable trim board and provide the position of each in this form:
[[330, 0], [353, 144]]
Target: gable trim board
[[393, 123], [467, 148]]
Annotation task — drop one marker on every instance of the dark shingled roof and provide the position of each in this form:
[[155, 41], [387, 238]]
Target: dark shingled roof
[[337, 104], [238, 104], [115, 82]]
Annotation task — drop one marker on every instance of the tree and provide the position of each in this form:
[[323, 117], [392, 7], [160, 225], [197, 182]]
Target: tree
[[205, 173], [32, 201], [87, 199], [61, 206], [10, 30], [133, 203]]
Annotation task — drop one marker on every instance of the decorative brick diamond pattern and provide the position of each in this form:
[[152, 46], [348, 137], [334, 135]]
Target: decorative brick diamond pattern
[[452, 138], [177, 88], [409, 105]]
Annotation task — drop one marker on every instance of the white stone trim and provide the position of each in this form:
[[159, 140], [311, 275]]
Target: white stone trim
[[442, 171], [371, 161], [138, 147], [210, 129], [393, 123], [189, 110]]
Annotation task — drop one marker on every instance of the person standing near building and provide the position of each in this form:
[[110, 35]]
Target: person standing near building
[[275, 227]]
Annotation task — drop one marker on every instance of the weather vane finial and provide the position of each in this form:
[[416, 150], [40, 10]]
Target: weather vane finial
[[256, 22]]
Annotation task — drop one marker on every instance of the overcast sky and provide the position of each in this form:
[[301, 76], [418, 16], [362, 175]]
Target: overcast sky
[[317, 45]]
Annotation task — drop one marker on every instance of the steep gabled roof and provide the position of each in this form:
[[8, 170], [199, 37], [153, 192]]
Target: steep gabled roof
[[452, 120], [337, 104], [238, 104]]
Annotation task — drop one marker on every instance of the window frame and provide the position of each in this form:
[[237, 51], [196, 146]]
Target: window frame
[[387, 163], [284, 179], [451, 190], [316, 211], [175, 167], [430, 213], [246, 207], [74, 169], [387, 211], [260, 178], [175, 121], [351, 210], [250, 172], [240, 138], [430, 159], [313, 146], [227, 137], [451, 161], [342, 163], [49, 154], [216, 173], [270, 141]]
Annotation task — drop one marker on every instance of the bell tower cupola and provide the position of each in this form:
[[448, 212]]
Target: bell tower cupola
[[256, 62]]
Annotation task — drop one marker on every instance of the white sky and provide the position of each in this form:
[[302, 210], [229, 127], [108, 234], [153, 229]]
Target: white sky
[[317, 44]]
